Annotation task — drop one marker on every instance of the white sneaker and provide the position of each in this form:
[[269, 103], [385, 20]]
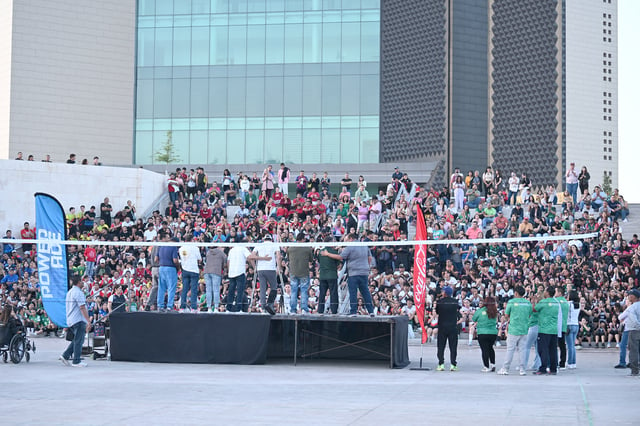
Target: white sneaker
[[470, 343], [485, 369], [80, 364], [503, 372], [64, 361], [182, 310], [617, 345], [608, 345], [498, 343], [523, 372]]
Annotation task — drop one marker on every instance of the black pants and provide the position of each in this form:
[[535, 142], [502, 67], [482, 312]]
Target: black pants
[[332, 285], [448, 334], [562, 344], [486, 342], [548, 351]]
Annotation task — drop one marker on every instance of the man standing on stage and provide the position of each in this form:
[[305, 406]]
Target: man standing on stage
[[168, 260], [328, 272], [268, 272], [357, 259], [213, 271], [448, 316], [189, 259], [237, 267], [300, 259]]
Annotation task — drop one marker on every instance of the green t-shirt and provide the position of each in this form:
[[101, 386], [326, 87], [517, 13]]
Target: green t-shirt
[[519, 311], [564, 305], [328, 266], [548, 310], [485, 325]]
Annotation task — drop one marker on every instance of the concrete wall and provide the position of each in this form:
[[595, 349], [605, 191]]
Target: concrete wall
[[6, 25], [73, 185], [72, 87]]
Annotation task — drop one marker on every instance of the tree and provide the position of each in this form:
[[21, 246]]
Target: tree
[[606, 184], [166, 154]]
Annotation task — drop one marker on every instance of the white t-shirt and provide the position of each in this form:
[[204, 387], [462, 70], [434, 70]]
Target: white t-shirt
[[266, 249], [238, 261], [150, 234], [189, 257]]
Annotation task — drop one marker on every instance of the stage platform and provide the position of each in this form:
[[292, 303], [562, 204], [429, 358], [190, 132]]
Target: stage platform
[[241, 338]]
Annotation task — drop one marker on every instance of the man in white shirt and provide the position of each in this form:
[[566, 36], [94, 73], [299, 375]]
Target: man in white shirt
[[78, 322], [268, 272], [237, 266], [631, 318], [189, 260]]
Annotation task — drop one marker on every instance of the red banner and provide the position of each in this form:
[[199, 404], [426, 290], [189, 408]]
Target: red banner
[[420, 272]]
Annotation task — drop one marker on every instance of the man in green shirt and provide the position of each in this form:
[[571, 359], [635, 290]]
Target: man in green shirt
[[328, 274], [564, 307], [300, 259], [518, 312], [549, 326]]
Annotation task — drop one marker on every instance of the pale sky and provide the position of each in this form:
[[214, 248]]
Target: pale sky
[[629, 98]]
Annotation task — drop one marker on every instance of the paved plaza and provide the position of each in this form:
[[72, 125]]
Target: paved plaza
[[314, 392]]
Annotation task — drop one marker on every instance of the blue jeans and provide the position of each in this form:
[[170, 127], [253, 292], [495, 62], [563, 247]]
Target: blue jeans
[[570, 338], [236, 293], [90, 270], [359, 282], [212, 282], [532, 340], [167, 283], [303, 284], [75, 346], [624, 341], [573, 190], [189, 282]]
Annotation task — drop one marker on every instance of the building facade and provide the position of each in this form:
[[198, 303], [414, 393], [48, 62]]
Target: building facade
[[521, 86]]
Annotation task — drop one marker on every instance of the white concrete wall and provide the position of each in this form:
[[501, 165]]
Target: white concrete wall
[[6, 25], [73, 185], [73, 79], [585, 68]]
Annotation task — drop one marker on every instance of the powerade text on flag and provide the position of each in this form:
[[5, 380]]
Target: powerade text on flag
[[52, 257], [420, 272]]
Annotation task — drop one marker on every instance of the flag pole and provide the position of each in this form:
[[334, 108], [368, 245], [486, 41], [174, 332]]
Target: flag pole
[[420, 281]]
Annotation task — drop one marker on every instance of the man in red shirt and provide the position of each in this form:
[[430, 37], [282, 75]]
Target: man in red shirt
[[90, 261], [27, 234]]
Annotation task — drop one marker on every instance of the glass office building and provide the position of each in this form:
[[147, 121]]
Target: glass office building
[[258, 81]]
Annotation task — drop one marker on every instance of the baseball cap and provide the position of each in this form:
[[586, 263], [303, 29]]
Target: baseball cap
[[635, 292], [268, 237], [448, 291]]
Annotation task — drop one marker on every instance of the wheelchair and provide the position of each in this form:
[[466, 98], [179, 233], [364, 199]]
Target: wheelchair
[[14, 343]]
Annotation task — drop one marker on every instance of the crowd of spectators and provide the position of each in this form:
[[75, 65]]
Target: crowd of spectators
[[70, 160], [245, 207]]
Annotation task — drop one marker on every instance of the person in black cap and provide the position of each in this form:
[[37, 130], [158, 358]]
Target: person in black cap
[[397, 174], [448, 316]]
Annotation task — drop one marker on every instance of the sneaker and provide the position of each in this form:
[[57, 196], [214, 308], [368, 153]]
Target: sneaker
[[470, 343], [498, 343], [608, 345], [485, 369], [440, 367], [617, 345], [572, 366], [620, 366], [540, 373], [64, 361], [80, 364], [523, 372], [493, 368], [353, 315], [503, 372], [182, 310], [562, 367], [578, 347], [453, 368]]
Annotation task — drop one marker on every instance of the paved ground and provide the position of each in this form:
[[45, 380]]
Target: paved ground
[[314, 392]]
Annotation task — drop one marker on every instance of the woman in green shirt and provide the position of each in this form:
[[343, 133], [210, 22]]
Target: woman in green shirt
[[485, 319]]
